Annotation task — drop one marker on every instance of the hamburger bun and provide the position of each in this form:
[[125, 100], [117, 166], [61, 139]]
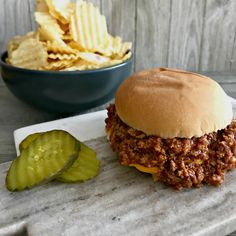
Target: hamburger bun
[[173, 103]]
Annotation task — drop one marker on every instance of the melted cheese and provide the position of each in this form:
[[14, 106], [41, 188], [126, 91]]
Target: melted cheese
[[149, 170]]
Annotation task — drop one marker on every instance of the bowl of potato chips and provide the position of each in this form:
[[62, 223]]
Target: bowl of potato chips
[[70, 63]]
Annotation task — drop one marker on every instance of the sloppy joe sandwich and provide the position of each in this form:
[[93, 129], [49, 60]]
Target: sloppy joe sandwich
[[176, 125]]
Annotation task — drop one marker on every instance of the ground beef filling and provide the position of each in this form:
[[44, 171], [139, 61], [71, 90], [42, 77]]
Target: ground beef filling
[[181, 162]]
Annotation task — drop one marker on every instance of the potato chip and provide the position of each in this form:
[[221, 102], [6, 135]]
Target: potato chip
[[18, 39], [88, 27], [75, 46], [70, 36], [63, 56], [111, 63], [58, 64], [126, 47], [60, 9], [52, 32], [126, 56], [93, 58], [65, 28], [89, 65], [54, 41], [30, 54], [67, 37], [44, 19], [116, 45], [117, 61], [41, 6], [107, 48], [59, 46], [115, 48], [81, 65], [14, 43]]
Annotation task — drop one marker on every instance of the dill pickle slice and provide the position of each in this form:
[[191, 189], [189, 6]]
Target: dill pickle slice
[[28, 140], [43, 160], [84, 168]]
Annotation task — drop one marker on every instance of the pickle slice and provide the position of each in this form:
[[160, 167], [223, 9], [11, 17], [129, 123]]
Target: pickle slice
[[29, 139], [84, 168], [43, 160]]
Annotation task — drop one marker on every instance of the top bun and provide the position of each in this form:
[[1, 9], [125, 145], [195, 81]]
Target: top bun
[[173, 103]]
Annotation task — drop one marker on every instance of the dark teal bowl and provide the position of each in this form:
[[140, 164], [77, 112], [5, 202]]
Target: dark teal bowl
[[65, 92]]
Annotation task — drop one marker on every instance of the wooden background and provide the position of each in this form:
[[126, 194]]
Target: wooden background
[[198, 35]]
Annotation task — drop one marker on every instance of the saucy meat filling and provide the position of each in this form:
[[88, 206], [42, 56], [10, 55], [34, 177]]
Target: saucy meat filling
[[180, 162]]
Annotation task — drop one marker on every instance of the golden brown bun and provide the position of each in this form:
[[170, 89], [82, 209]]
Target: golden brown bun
[[173, 103]]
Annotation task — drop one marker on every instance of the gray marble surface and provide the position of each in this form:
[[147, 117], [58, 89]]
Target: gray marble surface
[[120, 201]]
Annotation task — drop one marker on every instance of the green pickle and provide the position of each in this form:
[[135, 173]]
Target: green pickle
[[43, 159], [28, 140], [84, 168]]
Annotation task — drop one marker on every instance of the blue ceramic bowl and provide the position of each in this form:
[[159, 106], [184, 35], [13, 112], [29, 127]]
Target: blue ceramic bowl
[[65, 92]]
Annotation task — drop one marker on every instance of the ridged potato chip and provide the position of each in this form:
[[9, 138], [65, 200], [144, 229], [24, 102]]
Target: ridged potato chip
[[61, 56], [65, 28], [67, 37], [126, 47], [82, 65], [60, 9], [59, 46], [44, 19], [118, 48], [58, 64], [51, 32], [75, 46], [115, 48], [88, 27], [117, 61], [41, 6], [30, 54], [107, 47], [54, 41], [116, 45], [93, 58], [126, 56], [72, 35]]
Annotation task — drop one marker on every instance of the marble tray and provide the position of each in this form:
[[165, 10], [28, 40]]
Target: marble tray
[[120, 201]]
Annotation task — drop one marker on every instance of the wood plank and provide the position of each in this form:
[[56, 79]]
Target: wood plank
[[120, 17], [233, 59], [218, 35], [95, 2], [32, 10], [152, 33], [185, 34], [222, 77], [218, 51], [15, 20]]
